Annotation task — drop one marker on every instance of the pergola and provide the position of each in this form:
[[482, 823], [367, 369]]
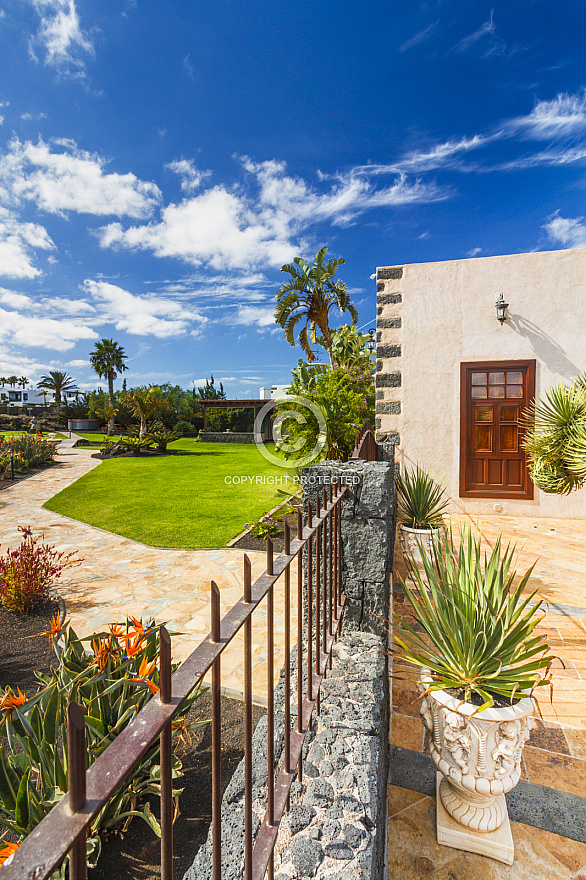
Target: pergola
[[257, 405]]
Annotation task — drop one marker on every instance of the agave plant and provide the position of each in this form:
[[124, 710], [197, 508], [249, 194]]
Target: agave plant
[[475, 628], [160, 435], [555, 439], [421, 500]]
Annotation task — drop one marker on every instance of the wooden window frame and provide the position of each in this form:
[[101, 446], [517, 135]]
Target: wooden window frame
[[492, 366]]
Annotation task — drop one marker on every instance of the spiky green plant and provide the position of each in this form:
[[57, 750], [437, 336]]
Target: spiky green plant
[[475, 628], [421, 500], [555, 439]]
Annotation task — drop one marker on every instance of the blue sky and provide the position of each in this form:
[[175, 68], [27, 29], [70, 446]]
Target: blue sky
[[159, 162]]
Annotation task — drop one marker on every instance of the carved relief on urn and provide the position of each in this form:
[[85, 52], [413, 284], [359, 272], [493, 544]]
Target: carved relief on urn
[[478, 754]]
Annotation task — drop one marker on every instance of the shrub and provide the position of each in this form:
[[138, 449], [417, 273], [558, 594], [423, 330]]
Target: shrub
[[135, 444], [158, 434], [28, 573], [29, 452], [184, 426], [112, 682], [266, 527], [345, 397], [421, 501]]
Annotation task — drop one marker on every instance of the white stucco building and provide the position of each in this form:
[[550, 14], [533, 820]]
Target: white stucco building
[[452, 381]]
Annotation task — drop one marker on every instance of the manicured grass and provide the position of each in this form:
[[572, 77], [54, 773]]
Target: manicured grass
[[97, 436], [180, 500], [58, 436]]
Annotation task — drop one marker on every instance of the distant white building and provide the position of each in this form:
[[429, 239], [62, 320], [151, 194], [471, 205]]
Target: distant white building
[[30, 396], [272, 392]]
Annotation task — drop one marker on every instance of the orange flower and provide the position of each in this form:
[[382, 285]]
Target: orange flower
[[7, 851], [10, 701], [116, 629], [145, 669], [54, 629], [104, 649], [132, 643]]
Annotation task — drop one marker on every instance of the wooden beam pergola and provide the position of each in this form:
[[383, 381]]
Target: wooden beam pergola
[[256, 404]]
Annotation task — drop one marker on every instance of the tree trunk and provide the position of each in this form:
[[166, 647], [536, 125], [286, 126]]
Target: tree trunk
[[142, 431], [112, 422]]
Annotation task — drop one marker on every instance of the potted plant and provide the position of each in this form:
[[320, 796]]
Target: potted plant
[[421, 503], [555, 438], [481, 662]]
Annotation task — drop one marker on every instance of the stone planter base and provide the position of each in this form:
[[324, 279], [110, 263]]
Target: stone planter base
[[494, 844]]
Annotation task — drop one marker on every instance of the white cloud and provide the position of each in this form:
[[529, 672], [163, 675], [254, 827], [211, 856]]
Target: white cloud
[[77, 363], [29, 330], [143, 315], [473, 252], [486, 29], [564, 115], [72, 180], [17, 242], [419, 37], [15, 300], [253, 316], [60, 36], [191, 177], [234, 229], [568, 231]]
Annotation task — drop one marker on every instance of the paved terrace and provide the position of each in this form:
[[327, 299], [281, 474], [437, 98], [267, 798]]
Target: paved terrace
[[121, 577], [555, 755]]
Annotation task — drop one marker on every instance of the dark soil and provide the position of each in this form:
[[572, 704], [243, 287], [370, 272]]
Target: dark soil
[[136, 854], [476, 699], [249, 542], [21, 656]]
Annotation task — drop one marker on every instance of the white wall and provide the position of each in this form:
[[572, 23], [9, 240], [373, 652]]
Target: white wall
[[447, 316]]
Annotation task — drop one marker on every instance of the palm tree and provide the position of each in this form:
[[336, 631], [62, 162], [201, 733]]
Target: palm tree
[[12, 381], [107, 359], [58, 383], [23, 381], [143, 402], [310, 294], [3, 381]]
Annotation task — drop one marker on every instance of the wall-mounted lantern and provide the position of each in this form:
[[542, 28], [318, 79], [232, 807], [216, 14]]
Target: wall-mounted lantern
[[370, 343], [501, 309]]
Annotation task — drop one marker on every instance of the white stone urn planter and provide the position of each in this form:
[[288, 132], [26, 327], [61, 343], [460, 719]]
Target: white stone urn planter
[[478, 757], [411, 541]]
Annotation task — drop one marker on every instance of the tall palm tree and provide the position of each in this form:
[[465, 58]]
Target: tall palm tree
[[107, 359], [23, 381], [58, 383], [310, 294], [144, 402], [3, 381], [12, 381]]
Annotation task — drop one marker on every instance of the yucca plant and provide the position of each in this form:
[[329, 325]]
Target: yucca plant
[[475, 628], [421, 500], [555, 439], [160, 435]]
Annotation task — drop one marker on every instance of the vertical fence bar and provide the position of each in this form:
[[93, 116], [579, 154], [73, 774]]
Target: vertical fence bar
[[317, 590], [216, 743], [339, 584], [330, 563], [76, 781], [166, 759], [309, 607], [287, 551], [247, 724], [326, 580], [270, 702], [299, 639]]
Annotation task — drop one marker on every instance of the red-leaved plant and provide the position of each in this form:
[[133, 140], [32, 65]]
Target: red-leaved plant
[[28, 573]]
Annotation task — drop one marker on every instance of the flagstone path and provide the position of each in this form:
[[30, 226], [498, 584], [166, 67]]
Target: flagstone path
[[120, 577]]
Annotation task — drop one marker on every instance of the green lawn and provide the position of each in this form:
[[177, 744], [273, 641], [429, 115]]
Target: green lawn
[[8, 434], [180, 500]]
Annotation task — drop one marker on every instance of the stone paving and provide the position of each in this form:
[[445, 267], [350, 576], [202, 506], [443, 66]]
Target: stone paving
[[555, 755], [120, 577]]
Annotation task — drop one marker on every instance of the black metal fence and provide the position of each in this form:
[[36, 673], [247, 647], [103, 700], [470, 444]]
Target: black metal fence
[[63, 830]]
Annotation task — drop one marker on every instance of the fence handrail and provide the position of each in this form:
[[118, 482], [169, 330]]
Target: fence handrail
[[47, 845], [366, 447]]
